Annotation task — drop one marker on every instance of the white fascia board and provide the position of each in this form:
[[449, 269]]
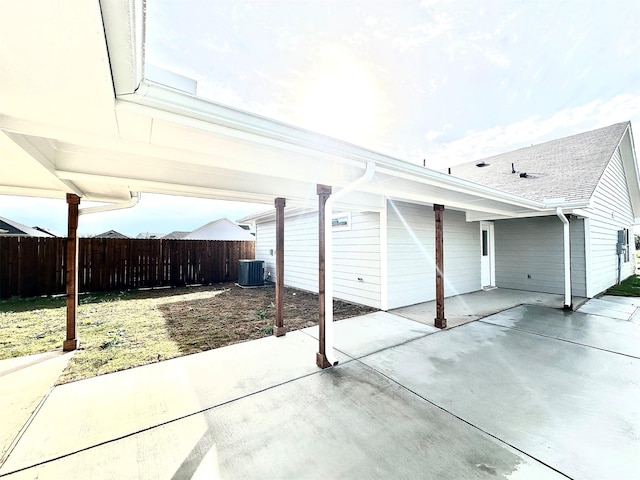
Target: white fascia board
[[432, 177], [477, 216], [124, 27], [167, 188], [270, 215], [261, 130], [630, 166], [31, 192], [577, 204]]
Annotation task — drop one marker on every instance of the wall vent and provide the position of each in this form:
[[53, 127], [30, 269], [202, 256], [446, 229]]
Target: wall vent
[[250, 272]]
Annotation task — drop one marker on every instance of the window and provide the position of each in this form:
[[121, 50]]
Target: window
[[341, 221], [485, 243]]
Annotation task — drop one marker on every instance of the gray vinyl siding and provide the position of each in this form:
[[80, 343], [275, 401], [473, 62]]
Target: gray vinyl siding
[[610, 211], [578, 261], [356, 260], [530, 254], [356, 255], [411, 254], [266, 248]]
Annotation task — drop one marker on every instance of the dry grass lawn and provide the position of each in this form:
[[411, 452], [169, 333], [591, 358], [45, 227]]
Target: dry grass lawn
[[128, 329]]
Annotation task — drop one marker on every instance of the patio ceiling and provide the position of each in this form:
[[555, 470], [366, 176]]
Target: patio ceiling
[[78, 116]]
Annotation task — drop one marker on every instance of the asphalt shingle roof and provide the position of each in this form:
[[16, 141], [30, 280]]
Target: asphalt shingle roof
[[568, 168]]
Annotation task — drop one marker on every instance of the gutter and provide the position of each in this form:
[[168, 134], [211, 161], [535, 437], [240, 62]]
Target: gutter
[[133, 201], [328, 268], [568, 304], [242, 125]]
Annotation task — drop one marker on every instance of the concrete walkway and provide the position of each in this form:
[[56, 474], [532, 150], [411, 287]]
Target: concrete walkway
[[25, 383], [462, 309], [531, 392]]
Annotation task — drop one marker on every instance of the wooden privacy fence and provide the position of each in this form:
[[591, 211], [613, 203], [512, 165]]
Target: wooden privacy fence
[[31, 266]]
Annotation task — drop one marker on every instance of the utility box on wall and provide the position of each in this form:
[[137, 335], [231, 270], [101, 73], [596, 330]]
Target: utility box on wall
[[250, 273]]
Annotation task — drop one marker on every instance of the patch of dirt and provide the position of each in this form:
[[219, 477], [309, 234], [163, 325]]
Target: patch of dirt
[[231, 314]]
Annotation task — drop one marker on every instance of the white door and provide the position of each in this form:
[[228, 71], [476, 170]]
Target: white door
[[487, 252]]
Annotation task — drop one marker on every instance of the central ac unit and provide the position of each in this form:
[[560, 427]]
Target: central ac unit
[[250, 273]]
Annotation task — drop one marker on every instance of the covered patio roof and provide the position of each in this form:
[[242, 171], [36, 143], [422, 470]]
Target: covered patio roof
[[79, 115], [82, 117]]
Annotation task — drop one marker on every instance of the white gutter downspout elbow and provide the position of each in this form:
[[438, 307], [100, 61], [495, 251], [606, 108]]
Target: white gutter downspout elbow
[[328, 249], [568, 304], [107, 208]]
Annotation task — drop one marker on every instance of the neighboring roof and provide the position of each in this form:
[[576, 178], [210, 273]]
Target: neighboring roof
[[110, 234], [175, 235], [11, 228], [568, 168], [221, 229], [46, 231], [150, 235]]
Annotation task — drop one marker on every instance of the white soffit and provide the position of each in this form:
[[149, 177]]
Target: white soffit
[[55, 67]]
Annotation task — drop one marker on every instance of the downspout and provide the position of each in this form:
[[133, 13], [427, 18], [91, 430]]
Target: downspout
[[328, 268], [107, 208], [568, 304]]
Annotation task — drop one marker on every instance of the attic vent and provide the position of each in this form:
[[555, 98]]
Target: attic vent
[[523, 175], [482, 164]]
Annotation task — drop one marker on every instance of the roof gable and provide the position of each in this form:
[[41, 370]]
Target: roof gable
[[11, 228], [568, 168], [221, 229], [110, 234]]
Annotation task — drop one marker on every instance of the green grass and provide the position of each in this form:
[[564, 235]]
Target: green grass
[[116, 330], [627, 288], [122, 330]]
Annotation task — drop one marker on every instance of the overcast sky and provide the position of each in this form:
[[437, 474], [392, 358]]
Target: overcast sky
[[448, 81]]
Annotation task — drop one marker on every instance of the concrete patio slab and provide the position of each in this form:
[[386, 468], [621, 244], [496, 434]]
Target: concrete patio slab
[[571, 406], [608, 308], [363, 335], [536, 399], [346, 422], [24, 383], [612, 334], [462, 309], [634, 301], [81, 414]]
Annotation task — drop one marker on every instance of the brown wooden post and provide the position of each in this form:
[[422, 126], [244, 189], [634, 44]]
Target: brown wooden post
[[72, 342], [279, 329], [324, 191], [440, 321]]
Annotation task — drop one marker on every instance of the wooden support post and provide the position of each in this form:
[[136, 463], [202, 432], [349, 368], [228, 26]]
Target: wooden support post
[[279, 329], [440, 321], [324, 192], [72, 342]]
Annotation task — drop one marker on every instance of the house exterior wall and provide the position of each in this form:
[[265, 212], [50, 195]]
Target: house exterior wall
[[411, 254], [578, 258], [610, 211], [530, 255], [356, 256]]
